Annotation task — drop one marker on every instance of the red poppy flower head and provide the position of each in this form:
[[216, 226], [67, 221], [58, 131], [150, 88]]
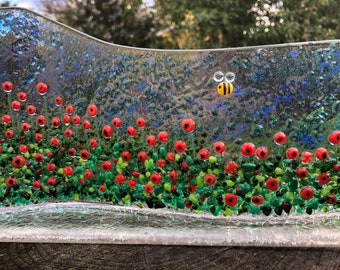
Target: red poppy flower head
[[41, 120], [219, 148], [76, 120], [92, 110], [257, 200], [173, 176], [163, 137], [272, 184], [203, 154], [210, 179], [22, 96], [58, 101], [126, 156], [107, 132], [306, 193], [306, 157], [86, 125], [42, 88], [51, 167], [332, 199], [116, 122], [31, 110], [231, 168], [18, 161], [321, 153], [140, 122], [84, 155], [132, 184], [55, 122], [148, 189], [88, 174], [68, 133], [107, 166], [188, 125], [262, 152], [39, 158], [131, 131], [191, 188], [120, 179], [180, 147], [69, 109], [334, 137], [16, 105], [155, 178], [25, 127], [102, 188], [323, 178], [248, 149], [9, 134], [302, 173], [36, 185], [23, 149], [68, 171], [93, 143], [170, 157], [184, 166], [292, 153], [11, 182], [72, 152], [150, 140], [6, 119], [7, 87], [230, 199], [38, 137], [54, 142], [160, 163], [280, 138]]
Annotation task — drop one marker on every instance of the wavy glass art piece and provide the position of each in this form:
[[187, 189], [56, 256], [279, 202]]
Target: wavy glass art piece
[[112, 144]]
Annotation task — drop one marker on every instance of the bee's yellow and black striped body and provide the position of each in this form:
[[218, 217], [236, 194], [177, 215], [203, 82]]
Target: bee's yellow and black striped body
[[225, 88]]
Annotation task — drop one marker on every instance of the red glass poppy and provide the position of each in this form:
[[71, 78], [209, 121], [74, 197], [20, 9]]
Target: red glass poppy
[[9, 134], [16, 105], [36, 185], [39, 158], [257, 200], [272, 184], [173, 176], [184, 166], [92, 110], [69, 109], [88, 174], [107, 132], [188, 125], [116, 122], [148, 189], [72, 152], [170, 157], [120, 179], [11, 182], [23, 149], [323, 178], [25, 127], [151, 140], [140, 122], [334, 137], [210, 179], [262, 153], [306, 193], [42, 88], [203, 154], [191, 188], [302, 173], [93, 143], [126, 156], [41, 120], [22, 96], [230, 199], [231, 168], [131, 131], [102, 188], [38, 137], [248, 149], [86, 125], [219, 148], [155, 178], [84, 155], [66, 120], [54, 142], [163, 137], [51, 181], [18, 161], [76, 120], [55, 122], [292, 153], [132, 183], [180, 147], [7, 87], [280, 138], [68, 133], [68, 171], [160, 163], [51, 167], [6, 119], [58, 101], [107, 166], [306, 157], [321, 153], [31, 110], [332, 199]]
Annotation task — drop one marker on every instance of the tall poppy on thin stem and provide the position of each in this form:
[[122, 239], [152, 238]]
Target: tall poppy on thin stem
[[42, 90], [188, 126]]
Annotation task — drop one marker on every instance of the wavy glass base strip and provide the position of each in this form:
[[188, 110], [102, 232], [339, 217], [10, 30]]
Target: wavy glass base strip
[[107, 224]]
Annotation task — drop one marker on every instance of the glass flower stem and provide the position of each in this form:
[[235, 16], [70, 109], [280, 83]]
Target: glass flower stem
[[193, 146], [10, 109], [46, 112]]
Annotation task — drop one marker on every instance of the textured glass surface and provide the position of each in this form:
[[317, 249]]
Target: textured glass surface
[[290, 88]]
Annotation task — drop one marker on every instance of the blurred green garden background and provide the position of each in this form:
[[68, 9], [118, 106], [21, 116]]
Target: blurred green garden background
[[194, 24]]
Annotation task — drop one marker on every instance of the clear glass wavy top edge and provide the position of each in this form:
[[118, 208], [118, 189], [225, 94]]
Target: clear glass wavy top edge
[[86, 223], [293, 44]]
